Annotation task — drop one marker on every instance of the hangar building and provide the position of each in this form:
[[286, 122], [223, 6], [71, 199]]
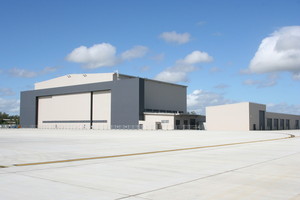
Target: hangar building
[[248, 116], [105, 101]]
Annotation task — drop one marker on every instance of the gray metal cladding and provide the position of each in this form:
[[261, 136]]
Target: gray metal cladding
[[127, 100]]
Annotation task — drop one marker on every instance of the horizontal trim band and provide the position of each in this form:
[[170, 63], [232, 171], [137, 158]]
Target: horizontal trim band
[[75, 121]]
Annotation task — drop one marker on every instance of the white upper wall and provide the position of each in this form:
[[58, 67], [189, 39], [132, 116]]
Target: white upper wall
[[78, 79], [229, 117]]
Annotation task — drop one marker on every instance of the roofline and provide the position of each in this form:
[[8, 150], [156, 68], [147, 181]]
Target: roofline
[[115, 73], [238, 103], [165, 82], [151, 80], [277, 113]]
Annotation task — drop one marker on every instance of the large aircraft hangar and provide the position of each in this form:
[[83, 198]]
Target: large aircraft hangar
[[105, 101]]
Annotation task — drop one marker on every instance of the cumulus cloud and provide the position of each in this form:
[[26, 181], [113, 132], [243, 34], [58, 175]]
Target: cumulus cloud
[[284, 108], [6, 92], [195, 57], [179, 72], [174, 37], [24, 73], [278, 52], [135, 52], [99, 55], [10, 106], [175, 74], [199, 99], [103, 55]]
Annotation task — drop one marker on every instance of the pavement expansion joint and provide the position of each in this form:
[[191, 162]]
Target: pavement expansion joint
[[205, 177]]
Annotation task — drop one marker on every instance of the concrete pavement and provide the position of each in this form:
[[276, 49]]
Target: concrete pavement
[[262, 170]]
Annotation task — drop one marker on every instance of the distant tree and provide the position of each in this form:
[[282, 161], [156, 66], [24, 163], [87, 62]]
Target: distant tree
[[6, 118], [192, 113]]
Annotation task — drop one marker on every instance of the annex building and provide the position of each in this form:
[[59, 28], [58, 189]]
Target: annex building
[[248, 116], [107, 101]]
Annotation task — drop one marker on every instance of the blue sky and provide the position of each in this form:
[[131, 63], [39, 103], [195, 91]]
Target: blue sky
[[224, 51]]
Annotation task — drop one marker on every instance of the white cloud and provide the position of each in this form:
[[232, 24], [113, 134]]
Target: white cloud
[[135, 52], [173, 37], [99, 55], [175, 74], [296, 76], [284, 108], [278, 52], [196, 57], [215, 69], [6, 92], [24, 73], [17, 72], [144, 68], [201, 23], [217, 34], [269, 82], [221, 86], [103, 55], [198, 100], [158, 57], [10, 106], [48, 70], [179, 72]]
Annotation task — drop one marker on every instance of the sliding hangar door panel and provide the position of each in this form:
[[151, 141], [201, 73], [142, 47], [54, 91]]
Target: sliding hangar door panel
[[65, 111], [101, 110]]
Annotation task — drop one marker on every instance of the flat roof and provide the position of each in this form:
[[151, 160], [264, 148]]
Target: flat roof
[[86, 78]]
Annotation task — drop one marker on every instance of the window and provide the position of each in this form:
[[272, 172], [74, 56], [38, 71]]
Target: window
[[297, 124], [177, 122]]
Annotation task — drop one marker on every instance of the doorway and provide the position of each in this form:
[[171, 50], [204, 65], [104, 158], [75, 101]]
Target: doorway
[[158, 125], [262, 120]]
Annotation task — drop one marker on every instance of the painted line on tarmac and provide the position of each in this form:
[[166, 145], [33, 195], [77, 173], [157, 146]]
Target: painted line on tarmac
[[150, 152]]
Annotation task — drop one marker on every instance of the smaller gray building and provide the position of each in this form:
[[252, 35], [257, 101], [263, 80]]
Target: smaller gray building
[[248, 116]]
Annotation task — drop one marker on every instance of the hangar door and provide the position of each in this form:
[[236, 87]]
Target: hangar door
[[81, 110], [101, 112]]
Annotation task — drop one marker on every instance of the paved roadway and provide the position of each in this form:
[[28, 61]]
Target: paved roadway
[[269, 169]]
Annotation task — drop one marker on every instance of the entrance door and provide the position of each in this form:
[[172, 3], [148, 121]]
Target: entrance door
[[261, 120], [158, 125], [192, 123]]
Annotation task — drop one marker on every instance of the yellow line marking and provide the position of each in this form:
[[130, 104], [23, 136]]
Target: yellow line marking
[[150, 152]]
